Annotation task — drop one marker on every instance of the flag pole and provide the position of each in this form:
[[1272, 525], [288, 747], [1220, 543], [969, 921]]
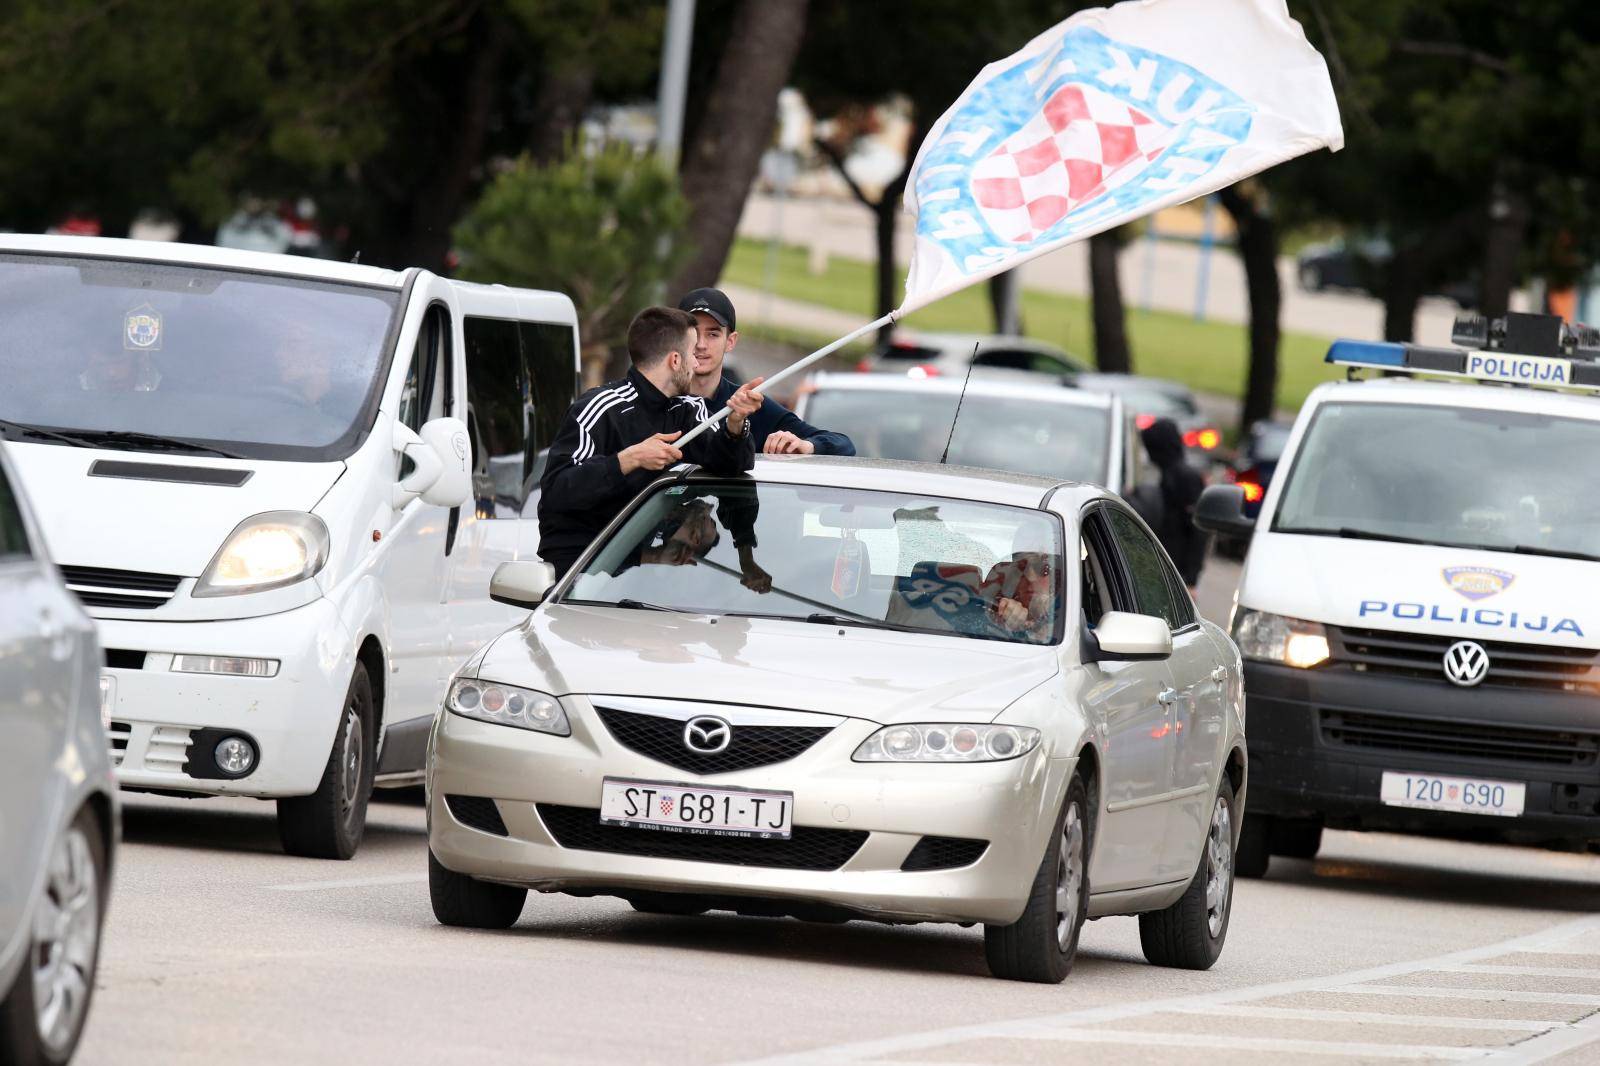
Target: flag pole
[[792, 369]]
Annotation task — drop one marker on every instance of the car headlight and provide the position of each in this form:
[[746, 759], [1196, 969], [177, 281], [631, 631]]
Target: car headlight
[[1274, 638], [940, 742], [525, 708], [266, 551]]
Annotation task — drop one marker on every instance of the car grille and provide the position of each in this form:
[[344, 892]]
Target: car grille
[[808, 848], [943, 853], [477, 812], [1430, 736], [661, 739], [119, 734], [1421, 655], [129, 589]]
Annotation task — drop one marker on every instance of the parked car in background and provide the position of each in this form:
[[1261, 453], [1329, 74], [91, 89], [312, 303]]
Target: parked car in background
[[943, 695], [1362, 265], [58, 803], [1148, 399], [1252, 471], [930, 355], [1003, 425], [280, 485]]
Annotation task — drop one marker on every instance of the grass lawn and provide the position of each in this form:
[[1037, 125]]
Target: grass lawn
[[1206, 356]]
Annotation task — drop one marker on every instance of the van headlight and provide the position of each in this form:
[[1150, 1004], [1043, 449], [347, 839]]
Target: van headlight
[[953, 742], [1275, 638], [525, 708], [266, 551]]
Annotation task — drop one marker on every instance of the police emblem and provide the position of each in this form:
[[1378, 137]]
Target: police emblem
[[1477, 582], [141, 329]]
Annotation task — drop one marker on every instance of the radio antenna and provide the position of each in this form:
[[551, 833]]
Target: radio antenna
[[959, 400]]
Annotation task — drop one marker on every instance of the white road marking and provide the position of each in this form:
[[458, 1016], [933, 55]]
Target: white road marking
[[1366, 1017], [354, 882], [1557, 1037], [1432, 1053], [1524, 971]]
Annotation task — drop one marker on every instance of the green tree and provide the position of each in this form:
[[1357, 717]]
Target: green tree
[[607, 226]]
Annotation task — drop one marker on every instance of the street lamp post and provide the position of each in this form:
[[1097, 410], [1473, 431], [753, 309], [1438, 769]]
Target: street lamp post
[[674, 85]]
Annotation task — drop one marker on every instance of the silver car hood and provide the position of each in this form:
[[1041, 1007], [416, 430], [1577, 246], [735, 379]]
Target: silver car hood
[[877, 675]]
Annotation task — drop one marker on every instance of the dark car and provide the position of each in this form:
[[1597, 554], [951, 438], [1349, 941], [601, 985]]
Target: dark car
[[1363, 266]]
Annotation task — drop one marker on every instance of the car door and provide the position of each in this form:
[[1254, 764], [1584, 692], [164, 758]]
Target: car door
[[1138, 749], [1195, 712]]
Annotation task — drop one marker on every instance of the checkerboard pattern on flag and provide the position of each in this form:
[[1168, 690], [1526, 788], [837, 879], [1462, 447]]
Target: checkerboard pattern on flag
[[1080, 144]]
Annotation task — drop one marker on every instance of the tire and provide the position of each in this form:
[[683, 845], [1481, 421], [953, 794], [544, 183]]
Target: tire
[[468, 903], [1254, 853], [328, 823], [1297, 838], [1040, 945], [66, 934], [1189, 934]]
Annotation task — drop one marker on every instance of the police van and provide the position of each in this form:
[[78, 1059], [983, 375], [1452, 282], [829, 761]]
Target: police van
[[280, 485], [1419, 611]]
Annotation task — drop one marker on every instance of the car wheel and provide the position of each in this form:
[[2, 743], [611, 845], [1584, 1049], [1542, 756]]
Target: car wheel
[[42, 1016], [464, 901], [1190, 933], [1297, 838], [1254, 852], [1040, 945], [328, 823]]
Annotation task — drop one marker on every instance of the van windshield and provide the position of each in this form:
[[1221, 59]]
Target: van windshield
[[184, 358], [1459, 477]]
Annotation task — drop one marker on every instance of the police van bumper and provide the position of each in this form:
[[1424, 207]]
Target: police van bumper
[[1322, 739]]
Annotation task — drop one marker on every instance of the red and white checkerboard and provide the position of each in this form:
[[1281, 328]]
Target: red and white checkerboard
[[1080, 144]]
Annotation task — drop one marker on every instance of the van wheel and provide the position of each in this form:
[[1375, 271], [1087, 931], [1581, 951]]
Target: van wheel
[[1254, 853], [328, 823], [1190, 933], [42, 1016], [1297, 838], [464, 901], [1040, 945]]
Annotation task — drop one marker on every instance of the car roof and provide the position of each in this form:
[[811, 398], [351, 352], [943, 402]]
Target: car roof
[[202, 255], [978, 386], [1457, 394], [1118, 382], [963, 343], [930, 479]]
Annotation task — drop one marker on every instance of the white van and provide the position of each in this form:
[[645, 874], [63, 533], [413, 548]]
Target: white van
[[280, 485]]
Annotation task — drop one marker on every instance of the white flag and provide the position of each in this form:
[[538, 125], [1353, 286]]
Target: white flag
[[1112, 115]]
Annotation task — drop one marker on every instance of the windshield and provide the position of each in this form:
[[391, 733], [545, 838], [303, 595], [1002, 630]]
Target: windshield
[[837, 557], [257, 366], [1056, 440], [1445, 475]]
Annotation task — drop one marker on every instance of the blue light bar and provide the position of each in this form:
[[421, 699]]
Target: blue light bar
[[1368, 353]]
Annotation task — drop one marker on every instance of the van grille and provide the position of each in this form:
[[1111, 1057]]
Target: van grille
[[128, 589], [1421, 655], [1432, 736]]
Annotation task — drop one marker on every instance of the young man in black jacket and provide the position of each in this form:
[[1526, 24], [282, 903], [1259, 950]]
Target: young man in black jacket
[[618, 436], [778, 430]]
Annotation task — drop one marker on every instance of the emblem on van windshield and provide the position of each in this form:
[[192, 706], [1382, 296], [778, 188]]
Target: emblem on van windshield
[[141, 329], [1477, 582]]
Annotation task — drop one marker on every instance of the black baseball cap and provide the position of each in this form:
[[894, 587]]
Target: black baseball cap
[[713, 302]]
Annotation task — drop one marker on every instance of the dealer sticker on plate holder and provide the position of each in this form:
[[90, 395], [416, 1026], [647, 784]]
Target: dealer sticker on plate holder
[[1464, 795], [732, 812]]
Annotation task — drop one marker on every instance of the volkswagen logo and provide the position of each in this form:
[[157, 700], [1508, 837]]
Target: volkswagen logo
[[706, 735], [1466, 663]]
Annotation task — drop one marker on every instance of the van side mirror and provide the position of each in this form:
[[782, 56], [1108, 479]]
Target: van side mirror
[[1124, 637], [522, 583], [441, 458], [1220, 509]]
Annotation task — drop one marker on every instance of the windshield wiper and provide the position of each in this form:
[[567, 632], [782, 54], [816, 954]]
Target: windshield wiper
[[1352, 533], [149, 440], [1554, 553], [826, 619], [38, 431], [641, 605]]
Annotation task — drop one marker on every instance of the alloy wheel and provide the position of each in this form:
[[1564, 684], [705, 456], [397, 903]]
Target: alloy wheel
[[350, 758], [66, 935], [1219, 866], [1069, 877]]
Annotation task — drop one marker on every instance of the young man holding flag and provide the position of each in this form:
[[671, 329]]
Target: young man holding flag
[[778, 430]]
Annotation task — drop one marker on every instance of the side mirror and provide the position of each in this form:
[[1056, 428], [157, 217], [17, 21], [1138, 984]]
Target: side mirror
[[522, 583], [1124, 637], [1220, 509], [441, 459]]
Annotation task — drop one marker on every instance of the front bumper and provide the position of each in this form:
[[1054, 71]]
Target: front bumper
[[161, 720], [1010, 804], [1299, 767]]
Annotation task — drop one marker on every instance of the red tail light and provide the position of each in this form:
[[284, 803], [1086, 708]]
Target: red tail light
[[1207, 438], [864, 367], [1144, 421], [1252, 491]]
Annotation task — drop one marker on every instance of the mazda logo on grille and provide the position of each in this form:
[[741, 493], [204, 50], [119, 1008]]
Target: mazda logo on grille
[[706, 735], [1466, 663]]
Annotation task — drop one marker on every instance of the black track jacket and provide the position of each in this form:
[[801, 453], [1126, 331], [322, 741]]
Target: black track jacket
[[583, 486]]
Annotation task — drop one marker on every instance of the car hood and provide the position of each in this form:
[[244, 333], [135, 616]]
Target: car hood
[[877, 675], [1424, 588], [148, 523]]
